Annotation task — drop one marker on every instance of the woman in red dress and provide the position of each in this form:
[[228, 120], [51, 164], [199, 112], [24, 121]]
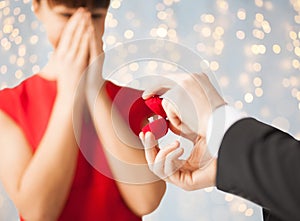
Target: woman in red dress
[[41, 167]]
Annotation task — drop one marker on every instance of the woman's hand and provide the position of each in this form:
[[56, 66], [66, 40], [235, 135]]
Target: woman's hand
[[71, 57], [94, 78], [197, 172]]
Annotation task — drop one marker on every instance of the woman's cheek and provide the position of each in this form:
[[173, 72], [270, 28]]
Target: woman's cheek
[[99, 27], [55, 34]]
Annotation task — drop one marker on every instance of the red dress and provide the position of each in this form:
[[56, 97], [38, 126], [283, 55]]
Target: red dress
[[93, 195]]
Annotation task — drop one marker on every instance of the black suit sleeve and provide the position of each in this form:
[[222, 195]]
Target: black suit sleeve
[[262, 164]]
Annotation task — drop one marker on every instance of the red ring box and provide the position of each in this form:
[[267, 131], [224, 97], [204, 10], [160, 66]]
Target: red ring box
[[160, 126]]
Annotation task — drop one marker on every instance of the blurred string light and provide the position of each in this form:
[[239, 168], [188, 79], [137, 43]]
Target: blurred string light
[[167, 25], [294, 47], [12, 37]]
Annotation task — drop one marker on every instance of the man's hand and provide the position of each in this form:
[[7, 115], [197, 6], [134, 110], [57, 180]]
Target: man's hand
[[197, 172], [188, 104]]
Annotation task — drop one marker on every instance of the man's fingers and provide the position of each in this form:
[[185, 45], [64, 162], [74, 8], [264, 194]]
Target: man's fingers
[[162, 154], [155, 90], [160, 162], [150, 145], [162, 84], [150, 140], [171, 112], [172, 162], [156, 158], [158, 166], [156, 85]]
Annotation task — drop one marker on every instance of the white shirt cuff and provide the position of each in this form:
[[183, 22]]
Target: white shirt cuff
[[219, 122]]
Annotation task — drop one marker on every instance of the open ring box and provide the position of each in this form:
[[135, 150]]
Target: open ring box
[[158, 124]]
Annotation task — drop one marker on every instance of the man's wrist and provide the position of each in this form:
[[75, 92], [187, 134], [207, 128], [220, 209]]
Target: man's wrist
[[219, 122]]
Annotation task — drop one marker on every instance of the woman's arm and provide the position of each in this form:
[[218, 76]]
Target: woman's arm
[[140, 188], [39, 183]]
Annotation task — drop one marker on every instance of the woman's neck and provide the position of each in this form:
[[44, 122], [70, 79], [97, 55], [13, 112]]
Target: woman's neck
[[47, 75]]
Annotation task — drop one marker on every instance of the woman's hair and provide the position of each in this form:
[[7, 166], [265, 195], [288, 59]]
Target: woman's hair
[[79, 3]]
